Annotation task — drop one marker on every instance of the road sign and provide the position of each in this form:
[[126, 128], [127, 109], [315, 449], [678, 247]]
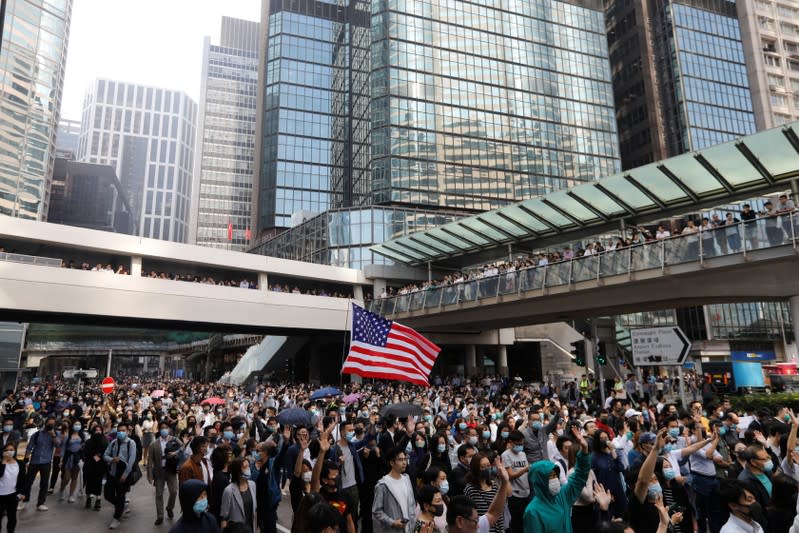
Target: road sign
[[666, 346], [80, 373], [107, 385]]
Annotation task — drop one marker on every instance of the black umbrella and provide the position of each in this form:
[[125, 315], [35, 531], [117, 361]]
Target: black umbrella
[[401, 410], [325, 392], [294, 417]]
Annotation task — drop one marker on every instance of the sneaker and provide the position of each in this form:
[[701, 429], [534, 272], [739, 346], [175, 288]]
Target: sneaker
[[61, 496], [114, 524], [51, 490], [42, 508], [71, 499], [159, 521], [21, 506]]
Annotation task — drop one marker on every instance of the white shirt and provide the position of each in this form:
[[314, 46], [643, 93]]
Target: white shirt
[[700, 464], [482, 525], [402, 491], [8, 483], [163, 442], [736, 525]]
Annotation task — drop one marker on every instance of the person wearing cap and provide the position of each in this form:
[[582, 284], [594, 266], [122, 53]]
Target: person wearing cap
[[642, 445]]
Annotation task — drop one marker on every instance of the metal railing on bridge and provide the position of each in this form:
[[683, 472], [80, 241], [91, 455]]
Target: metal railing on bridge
[[30, 259], [731, 239]]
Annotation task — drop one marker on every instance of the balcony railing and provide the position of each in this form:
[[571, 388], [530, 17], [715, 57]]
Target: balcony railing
[[30, 259], [739, 238]]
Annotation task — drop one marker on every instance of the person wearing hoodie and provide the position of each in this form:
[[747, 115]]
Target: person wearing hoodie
[[550, 510], [193, 496], [394, 504]]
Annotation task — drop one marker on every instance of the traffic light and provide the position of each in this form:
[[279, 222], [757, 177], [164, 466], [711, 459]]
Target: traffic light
[[600, 354], [578, 351]]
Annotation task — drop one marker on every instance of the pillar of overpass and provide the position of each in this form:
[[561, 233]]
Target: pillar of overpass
[[502, 361], [135, 266], [470, 361], [378, 287], [357, 293], [263, 281], [314, 365], [795, 313]]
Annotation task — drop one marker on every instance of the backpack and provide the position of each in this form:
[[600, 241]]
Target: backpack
[[135, 473]]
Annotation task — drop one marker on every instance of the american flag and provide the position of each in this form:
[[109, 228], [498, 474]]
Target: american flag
[[383, 349]]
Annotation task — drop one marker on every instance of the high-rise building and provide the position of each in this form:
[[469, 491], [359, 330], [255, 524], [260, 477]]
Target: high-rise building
[[67, 138], [679, 76], [32, 59], [438, 108], [770, 32], [147, 134], [88, 195], [224, 162]]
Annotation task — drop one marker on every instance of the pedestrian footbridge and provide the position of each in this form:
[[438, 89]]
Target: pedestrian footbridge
[[676, 272], [35, 286]]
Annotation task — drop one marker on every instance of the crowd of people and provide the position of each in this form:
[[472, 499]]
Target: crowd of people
[[719, 236], [490, 455]]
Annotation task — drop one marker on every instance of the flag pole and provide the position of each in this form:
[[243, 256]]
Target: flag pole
[[344, 347]]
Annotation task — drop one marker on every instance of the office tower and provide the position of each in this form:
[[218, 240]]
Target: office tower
[[67, 138], [679, 76], [32, 59], [439, 109], [770, 32], [224, 162], [147, 134], [88, 195]]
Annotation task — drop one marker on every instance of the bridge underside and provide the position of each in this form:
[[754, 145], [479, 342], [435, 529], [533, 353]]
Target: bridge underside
[[762, 275]]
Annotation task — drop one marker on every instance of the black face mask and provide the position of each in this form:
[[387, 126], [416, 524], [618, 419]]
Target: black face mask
[[438, 510], [754, 510], [485, 474]]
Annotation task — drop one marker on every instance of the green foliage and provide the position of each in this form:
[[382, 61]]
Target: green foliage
[[772, 401]]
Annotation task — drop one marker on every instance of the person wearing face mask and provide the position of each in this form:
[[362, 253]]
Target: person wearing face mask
[[436, 478], [608, 466], [482, 487], [757, 474], [743, 507], [39, 457], [9, 433], [419, 458], [70, 463], [550, 509], [394, 435], [120, 455], [94, 466], [431, 506], [12, 485], [647, 492], [193, 496], [439, 453], [674, 496], [536, 435], [514, 460], [239, 502], [350, 476], [161, 459]]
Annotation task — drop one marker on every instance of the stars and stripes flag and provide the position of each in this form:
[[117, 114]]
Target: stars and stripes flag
[[384, 349]]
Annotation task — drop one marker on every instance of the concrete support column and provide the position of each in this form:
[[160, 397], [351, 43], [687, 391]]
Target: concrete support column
[[379, 286], [470, 363], [357, 293], [161, 363], [263, 281], [135, 266], [314, 366], [795, 313], [502, 361]]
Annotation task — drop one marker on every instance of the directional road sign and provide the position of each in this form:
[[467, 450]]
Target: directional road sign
[[666, 346]]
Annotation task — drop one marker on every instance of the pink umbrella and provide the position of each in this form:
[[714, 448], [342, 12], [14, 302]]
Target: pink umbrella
[[352, 398], [157, 393], [214, 401]]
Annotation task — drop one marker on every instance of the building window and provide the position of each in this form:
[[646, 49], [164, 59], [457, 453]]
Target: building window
[[779, 100]]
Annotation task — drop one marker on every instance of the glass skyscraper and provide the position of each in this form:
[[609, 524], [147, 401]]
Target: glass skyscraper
[[147, 134], [225, 161], [32, 59], [454, 107]]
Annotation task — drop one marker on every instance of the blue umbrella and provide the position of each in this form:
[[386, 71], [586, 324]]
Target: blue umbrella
[[294, 417], [324, 392]]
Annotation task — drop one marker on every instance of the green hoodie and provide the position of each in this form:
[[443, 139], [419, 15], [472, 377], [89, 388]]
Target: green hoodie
[[552, 514]]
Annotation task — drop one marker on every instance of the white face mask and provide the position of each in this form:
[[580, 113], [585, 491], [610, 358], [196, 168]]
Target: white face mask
[[554, 486], [306, 476]]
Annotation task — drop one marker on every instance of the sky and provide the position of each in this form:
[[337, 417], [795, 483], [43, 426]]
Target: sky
[[149, 42]]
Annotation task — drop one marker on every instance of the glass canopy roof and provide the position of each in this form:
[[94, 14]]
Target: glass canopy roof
[[754, 165]]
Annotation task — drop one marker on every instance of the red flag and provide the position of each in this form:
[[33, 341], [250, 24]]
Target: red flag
[[229, 230], [248, 234], [381, 348]]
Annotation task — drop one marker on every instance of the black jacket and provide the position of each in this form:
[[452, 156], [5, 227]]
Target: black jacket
[[20, 483]]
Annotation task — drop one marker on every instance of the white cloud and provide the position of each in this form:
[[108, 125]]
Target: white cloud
[[150, 42]]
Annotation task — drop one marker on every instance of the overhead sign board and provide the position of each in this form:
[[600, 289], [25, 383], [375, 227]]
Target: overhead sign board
[[666, 346]]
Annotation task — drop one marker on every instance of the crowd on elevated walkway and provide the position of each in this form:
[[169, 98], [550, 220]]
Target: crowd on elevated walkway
[[774, 225]]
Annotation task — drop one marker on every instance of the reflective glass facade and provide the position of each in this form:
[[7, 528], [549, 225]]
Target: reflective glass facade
[[148, 135], [711, 91], [32, 60], [225, 162], [475, 106], [296, 153], [342, 237]]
